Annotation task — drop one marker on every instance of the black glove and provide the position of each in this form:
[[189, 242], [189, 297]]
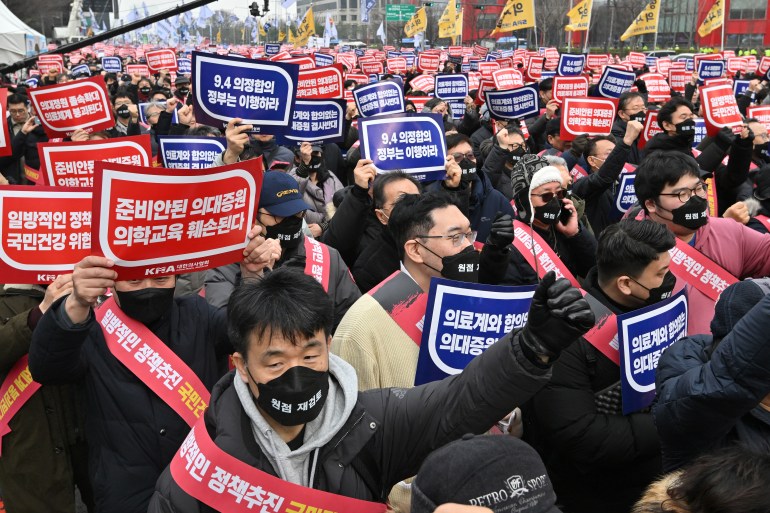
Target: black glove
[[501, 232], [724, 138], [558, 316]]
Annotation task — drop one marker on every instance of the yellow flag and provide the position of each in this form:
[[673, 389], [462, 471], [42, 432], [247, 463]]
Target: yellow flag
[[446, 24], [517, 14], [580, 16], [306, 28], [459, 23], [281, 35], [646, 22], [418, 23], [713, 19], [292, 37], [243, 34], [219, 36], [262, 31]]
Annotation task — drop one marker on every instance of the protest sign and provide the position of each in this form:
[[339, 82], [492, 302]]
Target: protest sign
[[261, 93], [371, 67], [761, 114], [424, 83], [534, 69], [678, 79], [737, 64], [143, 117], [315, 121], [764, 66], [740, 87], [189, 152], [72, 164], [664, 64], [625, 194], [517, 103], [651, 128], [708, 69], [358, 78], [304, 63], [597, 60], [570, 65], [384, 97], [614, 82], [5, 133], [272, 49], [569, 87], [63, 108], [156, 222], [644, 335], [396, 65], [322, 60], [508, 78], [140, 69], [487, 68], [658, 90], [184, 66], [413, 143], [636, 59], [451, 86], [720, 109], [320, 83], [164, 58], [700, 132], [112, 64], [80, 71], [428, 63], [44, 232], [462, 320], [592, 116]]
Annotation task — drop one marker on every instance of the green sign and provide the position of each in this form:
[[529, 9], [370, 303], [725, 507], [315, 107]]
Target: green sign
[[399, 12]]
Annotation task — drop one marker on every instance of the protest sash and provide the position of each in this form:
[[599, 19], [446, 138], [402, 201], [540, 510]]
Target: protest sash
[[765, 221], [699, 271], [317, 261], [153, 363], [225, 483], [16, 390], [404, 301], [5, 134]]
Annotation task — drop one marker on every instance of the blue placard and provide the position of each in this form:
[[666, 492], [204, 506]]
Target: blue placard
[[650, 62], [625, 194], [700, 132], [739, 86], [112, 64], [393, 55], [519, 103], [615, 82], [315, 121], [571, 65], [143, 118], [344, 48], [450, 86], [31, 82], [710, 69], [474, 64], [81, 70], [272, 49], [458, 108], [457, 60], [393, 78], [689, 64], [541, 50], [187, 152], [462, 320], [465, 68], [360, 52], [643, 335], [322, 59], [261, 93], [384, 97], [547, 74], [413, 143], [184, 66], [409, 57]]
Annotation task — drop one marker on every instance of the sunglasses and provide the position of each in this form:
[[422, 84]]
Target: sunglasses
[[548, 196]]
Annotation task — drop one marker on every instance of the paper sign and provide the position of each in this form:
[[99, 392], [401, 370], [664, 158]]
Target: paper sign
[[413, 143], [112, 64], [184, 66], [322, 60], [371, 67], [517, 103], [63, 108], [189, 152], [320, 83], [678, 79], [637, 59], [534, 69], [143, 118], [664, 64], [428, 63], [161, 59], [424, 83], [658, 90], [614, 82], [272, 49], [451, 86], [570, 65], [304, 63], [140, 69], [156, 222], [592, 116], [761, 114], [315, 121], [396, 65], [651, 128], [720, 109], [596, 61], [384, 97], [625, 194], [569, 87], [487, 69], [462, 320], [508, 78], [708, 69]]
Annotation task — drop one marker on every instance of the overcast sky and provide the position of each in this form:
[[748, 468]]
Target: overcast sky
[[239, 7]]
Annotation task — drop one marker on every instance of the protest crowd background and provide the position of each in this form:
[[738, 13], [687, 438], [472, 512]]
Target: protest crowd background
[[303, 275]]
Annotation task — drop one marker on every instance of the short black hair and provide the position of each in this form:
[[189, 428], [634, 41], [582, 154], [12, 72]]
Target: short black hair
[[456, 139], [412, 215], [16, 98], [382, 180], [627, 248], [625, 98], [668, 109], [433, 102], [204, 131], [546, 85], [284, 302], [591, 144], [661, 168], [349, 83]]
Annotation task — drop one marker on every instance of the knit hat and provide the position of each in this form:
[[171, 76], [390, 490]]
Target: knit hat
[[735, 302], [521, 176], [495, 471], [545, 175]]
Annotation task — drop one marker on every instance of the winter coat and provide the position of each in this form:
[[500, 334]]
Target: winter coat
[[354, 225], [619, 131], [317, 195]]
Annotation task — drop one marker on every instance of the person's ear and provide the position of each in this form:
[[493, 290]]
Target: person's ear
[[411, 250], [623, 284], [240, 366], [651, 206]]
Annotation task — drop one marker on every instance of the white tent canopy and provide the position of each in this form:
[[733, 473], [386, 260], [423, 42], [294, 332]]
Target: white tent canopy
[[17, 40]]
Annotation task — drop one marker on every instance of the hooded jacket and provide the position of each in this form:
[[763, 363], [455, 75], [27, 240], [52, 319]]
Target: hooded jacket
[[317, 195]]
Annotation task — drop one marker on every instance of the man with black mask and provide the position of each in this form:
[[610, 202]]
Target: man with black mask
[[631, 107], [508, 147], [126, 114], [182, 90], [242, 146], [761, 154], [677, 121], [132, 431], [281, 214]]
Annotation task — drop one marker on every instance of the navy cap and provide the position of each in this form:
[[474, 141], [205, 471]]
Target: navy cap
[[280, 195]]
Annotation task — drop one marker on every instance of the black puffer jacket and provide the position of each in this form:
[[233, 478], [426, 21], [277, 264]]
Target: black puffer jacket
[[132, 434], [354, 225], [389, 432]]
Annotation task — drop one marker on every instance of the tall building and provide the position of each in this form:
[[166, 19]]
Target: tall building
[[747, 24]]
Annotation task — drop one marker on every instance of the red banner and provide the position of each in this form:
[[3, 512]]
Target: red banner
[[320, 83], [16, 390], [424, 83], [593, 116], [569, 87], [487, 69], [535, 69], [396, 65], [372, 67], [63, 108], [508, 78], [761, 114], [5, 133], [154, 221], [720, 109], [71, 164], [636, 59], [699, 271], [595, 61], [658, 90], [428, 63], [678, 79], [161, 59], [305, 63], [45, 231], [141, 69]]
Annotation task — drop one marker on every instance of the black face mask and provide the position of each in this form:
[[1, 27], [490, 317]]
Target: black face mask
[[112, 88], [295, 397], [462, 266], [144, 90], [639, 116], [468, 170], [146, 305], [123, 112], [662, 292], [288, 232], [184, 91], [686, 130], [693, 214], [761, 151], [315, 163], [549, 213], [515, 155]]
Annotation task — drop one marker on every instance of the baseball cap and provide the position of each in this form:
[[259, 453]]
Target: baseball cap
[[280, 195], [182, 79]]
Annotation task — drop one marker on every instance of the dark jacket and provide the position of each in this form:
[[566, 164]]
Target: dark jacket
[[732, 179], [22, 146], [479, 136], [494, 167], [709, 398], [132, 433], [598, 459], [619, 131], [45, 454], [354, 225], [378, 261], [389, 432]]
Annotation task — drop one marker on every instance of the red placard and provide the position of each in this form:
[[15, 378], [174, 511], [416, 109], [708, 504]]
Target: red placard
[[419, 101], [764, 66], [487, 69], [664, 64], [51, 58], [534, 69], [474, 80], [45, 232], [569, 87], [396, 65], [480, 51], [508, 78], [736, 64], [349, 61], [359, 78], [484, 86], [372, 67], [428, 62], [280, 56], [305, 63], [455, 51], [720, 109], [164, 58], [46, 66], [597, 60], [761, 114], [63, 108], [76, 58], [71, 164], [5, 133], [320, 83], [678, 79], [155, 222], [424, 83], [593, 116], [141, 69], [636, 59], [651, 128], [658, 90]]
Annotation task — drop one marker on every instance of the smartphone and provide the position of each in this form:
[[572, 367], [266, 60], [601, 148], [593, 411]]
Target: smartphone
[[565, 215]]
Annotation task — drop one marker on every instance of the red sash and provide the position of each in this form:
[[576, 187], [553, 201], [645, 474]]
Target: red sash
[[15, 391], [711, 196], [404, 301], [150, 360], [698, 270], [764, 220], [577, 172], [317, 261], [225, 483]]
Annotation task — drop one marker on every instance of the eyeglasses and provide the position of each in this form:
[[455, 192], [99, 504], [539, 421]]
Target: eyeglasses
[[17, 111], [548, 196], [460, 156], [457, 238], [685, 194]]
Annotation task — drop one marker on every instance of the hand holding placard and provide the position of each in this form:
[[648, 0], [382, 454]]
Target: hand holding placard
[[364, 173], [90, 279], [453, 173], [237, 138], [259, 253]]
